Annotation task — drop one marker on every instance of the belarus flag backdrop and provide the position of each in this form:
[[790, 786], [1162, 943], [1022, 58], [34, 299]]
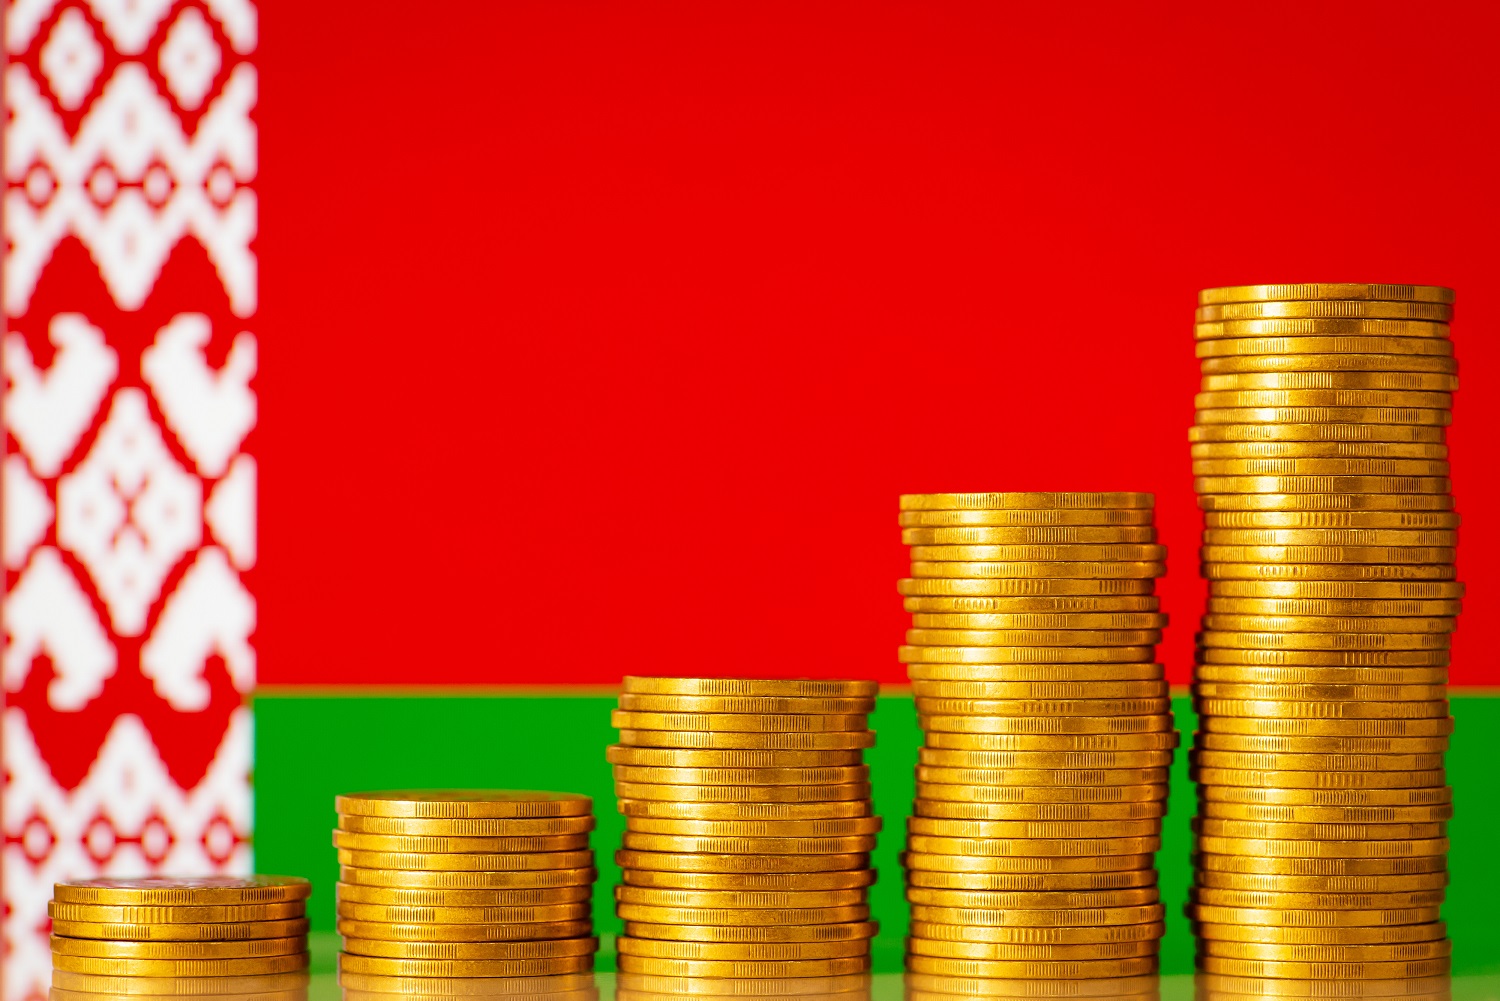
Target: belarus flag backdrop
[[586, 339]]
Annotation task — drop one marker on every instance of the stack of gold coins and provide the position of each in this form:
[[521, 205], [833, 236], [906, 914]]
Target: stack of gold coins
[[113, 936], [1322, 665], [436, 885], [1048, 734], [749, 827]]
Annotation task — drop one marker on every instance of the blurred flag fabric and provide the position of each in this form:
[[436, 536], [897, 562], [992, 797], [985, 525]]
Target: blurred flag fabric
[[130, 290]]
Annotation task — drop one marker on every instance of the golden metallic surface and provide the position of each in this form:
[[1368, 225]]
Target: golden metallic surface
[[434, 804], [445, 862], [1327, 727], [754, 704], [742, 794], [1322, 693], [742, 968], [1026, 655], [1028, 900], [1330, 796], [1378, 934], [94, 984], [466, 828], [756, 951], [233, 949], [1163, 738], [252, 966], [931, 987], [1276, 883], [652, 896], [1320, 745], [1324, 291], [1212, 914], [1238, 470], [293, 994], [1027, 518], [1023, 501], [380, 966], [1127, 810], [1038, 621], [1327, 710], [1395, 608], [1242, 451], [928, 707], [1299, 831], [1357, 625], [1284, 952], [560, 987], [757, 933], [738, 722], [1259, 398], [1274, 866], [961, 793], [795, 688], [1043, 535], [415, 843], [976, 691], [534, 949], [1026, 586], [950, 828], [1266, 968], [634, 841], [174, 890], [1334, 537], [472, 880], [397, 931], [1021, 724], [1404, 848], [1040, 553], [654, 757], [1299, 674], [1040, 777], [751, 881], [356, 893], [1260, 778], [1317, 431], [1062, 969], [829, 775], [1039, 917], [643, 987], [1040, 605], [1323, 658], [919, 946], [943, 758], [174, 913], [1365, 590], [1007, 674], [1327, 554], [1028, 864], [179, 932], [1039, 847], [1029, 882], [1147, 932], [830, 828], [833, 741], [444, 914], [1323, 641], [1359, 361], [1324, 815], [628, 858], [1074, 570], [742, 916], [1315, 344], [778, 812]]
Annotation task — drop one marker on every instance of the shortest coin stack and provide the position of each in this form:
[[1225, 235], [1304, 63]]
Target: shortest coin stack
[[187, 930], [748, 830], [438, 885]]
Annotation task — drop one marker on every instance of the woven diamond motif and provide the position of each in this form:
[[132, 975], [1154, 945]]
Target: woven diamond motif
[[71, 59]]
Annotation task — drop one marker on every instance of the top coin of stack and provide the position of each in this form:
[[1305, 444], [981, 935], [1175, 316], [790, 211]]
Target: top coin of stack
[[121, 935], [1048, 735], [748, 828], [1322, 666], [464, 883]]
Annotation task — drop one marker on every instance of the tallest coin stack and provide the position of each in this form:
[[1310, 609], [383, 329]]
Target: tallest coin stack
[[1322, 664]]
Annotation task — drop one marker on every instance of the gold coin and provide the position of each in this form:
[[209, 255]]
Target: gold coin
[[170, 983], [1328, 554], [1051, 951], [1260, 778], [737, 722], [747, 846], [384, 967], [629, 963], [1320, 867], [1039, 917], [411, 897], [1326, 430], [1299, 935], [1322, 849], [754, 951], [848, 931], [404, 843], [1163, 739], [779, 812], [234, 949], [174, 913], [1046, 535], [1292, 831], [1364, 590], [535, 949], [653, 896], [1238, 471], [1042, 707], [1147, 932], [460, 827], [1038, 570], [995, 899], [742, 916], [1247, 450], [181, 986], [1045, 777], [1356, 361], [1333, 606], [1326, 953], [1327, 727], [1026, 517], [945, 827], [503, 880], [1030, 864], [1265, 968], [1330, 796], [1323, 658], [393, 931], [396, 914], [1023, 587], [796, 688], [742, 794], [829, 828], [1329, 918], [1022, 724], [176, 890], [1327, 624], [1273, 883], [1324, 641], [831, 775], [252, 966], [1127, 810], [1337, 343], [507, 862], [1025, 655], [751, 881], [1322, 745], [1043, 847], [652, 757], [466, 803], [1324, 291], [1042, 605], [758, 705], [972, 691], [180, 932], [1328, 537], [1330, 504], [628, 858], [1023, 501], [1325, 815], [1117, 553], [643, 987], [1031, 882], [1282, 709], [1061, 969], [1427, 382], [942, 758], [1032, 621], [928, 987], [1304, 693], [1234, 399], [558, 987], [1300, 675], [1006, 674], [677, 739]]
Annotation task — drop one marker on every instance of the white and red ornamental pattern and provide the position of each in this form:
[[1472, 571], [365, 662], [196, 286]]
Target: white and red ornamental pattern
[[128, 528]]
